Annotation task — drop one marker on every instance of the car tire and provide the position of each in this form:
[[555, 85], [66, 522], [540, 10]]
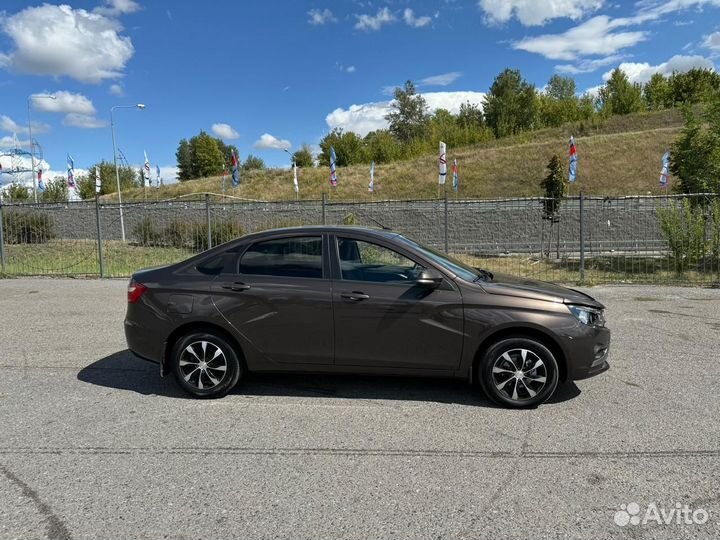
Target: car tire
[[518, 373], [205, 364]]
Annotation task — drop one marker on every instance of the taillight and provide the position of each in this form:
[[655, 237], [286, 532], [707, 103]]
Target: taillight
[[135, 291]]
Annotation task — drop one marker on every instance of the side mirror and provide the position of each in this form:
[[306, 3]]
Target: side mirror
[[429, 278]]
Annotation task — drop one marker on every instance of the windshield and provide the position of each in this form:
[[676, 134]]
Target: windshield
[[468, 273]]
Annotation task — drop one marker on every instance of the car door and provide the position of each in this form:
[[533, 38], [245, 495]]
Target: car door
[[279, 301], [383, 318]]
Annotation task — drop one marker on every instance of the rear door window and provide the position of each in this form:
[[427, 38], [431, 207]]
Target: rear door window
[[298, 257]]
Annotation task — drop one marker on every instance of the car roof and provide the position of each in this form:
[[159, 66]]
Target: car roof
[[316, 229]]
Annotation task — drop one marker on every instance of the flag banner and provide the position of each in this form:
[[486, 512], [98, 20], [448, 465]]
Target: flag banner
[[573, 160], [70, 172], [295, 181], [235, 169], [665, 172], [41, 184], [97, 180], [333, 171], [146, 171], [371, 185], [443, 164], [456, 178], [224, 181], [158, 178]]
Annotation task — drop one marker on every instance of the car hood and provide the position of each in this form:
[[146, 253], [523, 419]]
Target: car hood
[[537, 290]]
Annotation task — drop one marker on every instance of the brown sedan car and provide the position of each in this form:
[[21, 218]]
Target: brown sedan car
[[359, 300]]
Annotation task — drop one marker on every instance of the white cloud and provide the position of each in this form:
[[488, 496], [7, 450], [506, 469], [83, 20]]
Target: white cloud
[[9, 125], [367, 117], [62, 41], [118, 7], [588, 66], [321, 16], [9, 142], [443, 79], [374, 22], [413, 21], [536, 12], [116, 90], [641, 72], [351, 69], [168, 174], [83, 121], [712, 41], [224, 131], [64, 102], [596, 36], [267, 141]]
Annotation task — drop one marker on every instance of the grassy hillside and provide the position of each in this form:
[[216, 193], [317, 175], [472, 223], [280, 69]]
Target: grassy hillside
[[621, 155]]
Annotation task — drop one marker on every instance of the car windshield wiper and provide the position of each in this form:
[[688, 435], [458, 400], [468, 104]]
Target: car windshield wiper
[[483, 275]]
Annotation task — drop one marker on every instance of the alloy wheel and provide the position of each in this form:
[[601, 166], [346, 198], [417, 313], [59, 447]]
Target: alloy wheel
[[519, 374], [203, 365]]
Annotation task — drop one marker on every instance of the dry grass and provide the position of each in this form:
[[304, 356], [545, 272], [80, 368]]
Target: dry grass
[[619, 156]]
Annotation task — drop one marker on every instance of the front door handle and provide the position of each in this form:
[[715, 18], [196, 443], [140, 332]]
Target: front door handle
[[237, 286], [355, 296]]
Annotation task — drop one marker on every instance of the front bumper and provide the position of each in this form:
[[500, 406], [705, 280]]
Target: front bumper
[[588, 348]]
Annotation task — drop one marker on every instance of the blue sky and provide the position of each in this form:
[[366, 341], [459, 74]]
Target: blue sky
[[269, 75]]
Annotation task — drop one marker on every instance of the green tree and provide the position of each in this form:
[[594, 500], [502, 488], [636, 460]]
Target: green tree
[[108, 181], [694, 86], [349, 148], [207, 160], [408, 114], [619, 96], [558, 104], [560, 88], [253, 163], [382, 146], [56, 190], [470, 116], [303, 157], [553, 186], [695, 155], [511, 104], [657, 93], [184, 160], [226, 151], [17, 192]]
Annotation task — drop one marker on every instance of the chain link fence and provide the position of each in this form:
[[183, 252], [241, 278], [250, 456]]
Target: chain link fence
[[650, 239]]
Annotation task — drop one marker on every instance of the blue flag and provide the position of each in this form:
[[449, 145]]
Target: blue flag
[[371, 185], [41, 184], [665, 172], [456, 178], [70, 172], [333, 172], [235, 170], [573, 160], [159, 178]]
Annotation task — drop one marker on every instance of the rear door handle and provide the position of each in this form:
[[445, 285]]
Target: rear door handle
[[355, 296], [238, 286]]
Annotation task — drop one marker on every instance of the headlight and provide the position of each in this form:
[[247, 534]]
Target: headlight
[[588, 315]]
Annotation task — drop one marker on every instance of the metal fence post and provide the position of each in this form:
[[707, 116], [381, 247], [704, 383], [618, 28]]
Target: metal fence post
[[323, 208], [446, 223], [582, 238], [99, 236], [207, 215], [2, 239]]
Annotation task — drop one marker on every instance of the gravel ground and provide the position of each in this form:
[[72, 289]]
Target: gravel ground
[[96, 445]]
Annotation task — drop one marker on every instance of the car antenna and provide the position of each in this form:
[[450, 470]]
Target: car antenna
[[383, 227]]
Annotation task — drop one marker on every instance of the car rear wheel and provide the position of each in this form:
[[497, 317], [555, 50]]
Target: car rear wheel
[[205, 365], [518, 373]]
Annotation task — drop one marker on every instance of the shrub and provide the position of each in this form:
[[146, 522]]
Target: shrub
[[146, 234], [27, 227], [684, 229], [186, 234]]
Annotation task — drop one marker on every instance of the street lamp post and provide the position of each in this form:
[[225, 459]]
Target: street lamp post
[[32, 154], [139, 106], [292, 156]]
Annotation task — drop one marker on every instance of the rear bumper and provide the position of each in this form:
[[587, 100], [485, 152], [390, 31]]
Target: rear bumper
[[588, 351], [143, 342]]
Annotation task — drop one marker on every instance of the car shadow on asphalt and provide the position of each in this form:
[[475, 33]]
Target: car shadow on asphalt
[[125, 371]]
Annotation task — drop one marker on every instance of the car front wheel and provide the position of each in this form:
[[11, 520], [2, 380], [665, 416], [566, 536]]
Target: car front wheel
[[518, 373], [205, 365]]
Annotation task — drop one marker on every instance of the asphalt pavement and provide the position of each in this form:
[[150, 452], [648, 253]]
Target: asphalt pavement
[[94, 444]]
